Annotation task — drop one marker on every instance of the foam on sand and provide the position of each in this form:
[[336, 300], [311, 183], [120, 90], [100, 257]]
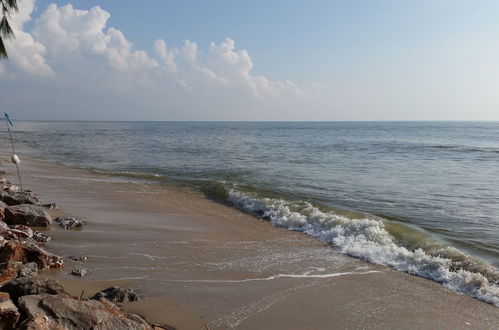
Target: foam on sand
[[368, 239]]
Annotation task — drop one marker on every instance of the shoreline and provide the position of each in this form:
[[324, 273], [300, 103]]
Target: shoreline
[[229, 268]]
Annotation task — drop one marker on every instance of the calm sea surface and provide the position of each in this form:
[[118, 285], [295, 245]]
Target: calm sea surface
[[381, 191]]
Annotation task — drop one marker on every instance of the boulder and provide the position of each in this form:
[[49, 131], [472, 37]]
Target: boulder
[[12, 188], [61, 311], [9, 271], [23, 228], [13, 197], [9, 315], [69, 223], [3, 226], [76, 258], [28, 251], [13, 233], [3, 206], [116, 294], [41, 237], [29, 269], [26, 214], [79, 272], [31, 286]]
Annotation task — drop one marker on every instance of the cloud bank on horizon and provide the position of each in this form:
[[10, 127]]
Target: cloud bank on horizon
[[78, 62]]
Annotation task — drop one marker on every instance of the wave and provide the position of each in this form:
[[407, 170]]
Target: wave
[[369, 239], [464, 149]]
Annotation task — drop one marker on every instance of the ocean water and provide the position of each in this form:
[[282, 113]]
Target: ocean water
[[422, 197]]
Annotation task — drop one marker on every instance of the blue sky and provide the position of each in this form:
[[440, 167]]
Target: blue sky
[[309, 40], [349, 60]]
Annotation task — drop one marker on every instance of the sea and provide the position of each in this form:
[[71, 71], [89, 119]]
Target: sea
[[421, 197]]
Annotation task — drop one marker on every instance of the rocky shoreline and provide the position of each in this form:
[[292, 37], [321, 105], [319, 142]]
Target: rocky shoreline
[[30, 301]]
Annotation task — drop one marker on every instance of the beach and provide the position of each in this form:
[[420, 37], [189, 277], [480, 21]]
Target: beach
[[200, 263]]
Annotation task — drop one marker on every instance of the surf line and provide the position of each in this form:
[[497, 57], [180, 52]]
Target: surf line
[[278, 276]]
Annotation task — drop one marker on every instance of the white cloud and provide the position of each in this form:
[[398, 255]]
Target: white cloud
[[90, 61], [67, 30], [166, 55], [26, 54]]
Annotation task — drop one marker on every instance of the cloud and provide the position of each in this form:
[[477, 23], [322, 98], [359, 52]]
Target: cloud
[[87, 60], [70, 37], [26, 54], [166, 55], [65, 30]]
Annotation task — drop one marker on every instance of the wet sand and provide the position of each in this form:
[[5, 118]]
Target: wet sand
[[199, 262]]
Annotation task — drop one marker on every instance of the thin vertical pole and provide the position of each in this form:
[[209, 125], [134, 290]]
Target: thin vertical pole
[[13, 153]]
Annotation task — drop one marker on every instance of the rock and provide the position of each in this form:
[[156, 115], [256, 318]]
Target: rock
[[116, 294], [79, 272], [69, 223], [9, 315], [13, 234], [50, 206], [9, 271], [4, 183], [13, 197], [3, 206], [41, 237], [32, 285], [75, 258], [28, 251], [12, 188], [15, 231], [28, 269], [23, 228], [61, 311], [26, 214]]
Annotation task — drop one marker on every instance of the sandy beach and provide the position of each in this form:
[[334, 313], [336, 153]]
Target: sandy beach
[[202, 264]]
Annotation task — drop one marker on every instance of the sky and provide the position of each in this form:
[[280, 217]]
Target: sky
[[253, 60]]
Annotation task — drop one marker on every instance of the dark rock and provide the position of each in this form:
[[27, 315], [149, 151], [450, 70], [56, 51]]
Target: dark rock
[[28, 251], [9, 315], [61, 311], [26, 214], [9, 271], [13, 197], [69, 223], [29, 269], [116, 294], [75, 258], [41, 237], [32, 285], [79, 272]]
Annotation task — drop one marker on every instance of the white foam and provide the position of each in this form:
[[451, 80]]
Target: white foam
[[278, 276], [367, 239]]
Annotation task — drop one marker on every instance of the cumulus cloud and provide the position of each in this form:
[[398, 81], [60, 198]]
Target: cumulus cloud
[[79, 51], [66, 30], [26, 54], [166, 55]]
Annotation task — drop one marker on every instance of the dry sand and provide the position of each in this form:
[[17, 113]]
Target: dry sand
[[199, 262]]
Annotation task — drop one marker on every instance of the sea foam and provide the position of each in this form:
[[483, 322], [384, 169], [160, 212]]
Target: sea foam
[[368, 239]]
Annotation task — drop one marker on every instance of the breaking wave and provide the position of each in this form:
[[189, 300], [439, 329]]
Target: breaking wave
[[369, 239]]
